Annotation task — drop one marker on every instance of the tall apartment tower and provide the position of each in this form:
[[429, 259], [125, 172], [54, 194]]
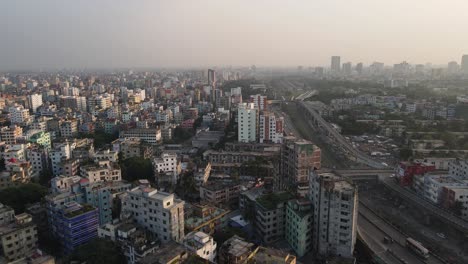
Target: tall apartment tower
[[347, 68], [211, 77], [335, 211], [298, 158], [260, 101], [359, 68], [335, 64], [453, 67], [158, 212], [247, 122], [35, 100], [270, 128], [464, 64]]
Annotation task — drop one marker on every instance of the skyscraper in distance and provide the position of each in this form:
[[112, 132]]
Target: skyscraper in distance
[[347, 68], [359, 68], [211, 77], [335, 64], [464, 64], [453, 67]]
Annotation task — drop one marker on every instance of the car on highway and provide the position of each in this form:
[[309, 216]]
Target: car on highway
[[441, 235], [388, 240]]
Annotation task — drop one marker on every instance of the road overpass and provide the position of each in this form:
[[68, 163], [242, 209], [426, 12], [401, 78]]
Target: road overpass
[[419, 201], [372, 229], [317, 121]]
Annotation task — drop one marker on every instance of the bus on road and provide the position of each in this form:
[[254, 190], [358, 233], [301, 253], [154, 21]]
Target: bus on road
[[417, 248]]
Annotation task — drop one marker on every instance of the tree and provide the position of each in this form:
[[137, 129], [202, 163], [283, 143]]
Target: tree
[[405, 153], [181, 135], [18, 197], [98, 251], [136, 168]]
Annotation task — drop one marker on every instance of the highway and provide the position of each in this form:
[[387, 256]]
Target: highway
[[409, 196], [360, 157], [373, 229]]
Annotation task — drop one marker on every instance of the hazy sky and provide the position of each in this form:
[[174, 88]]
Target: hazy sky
[[140, 33]]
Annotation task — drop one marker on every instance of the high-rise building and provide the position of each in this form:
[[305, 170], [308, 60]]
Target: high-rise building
[[319, 71], [376, 68], [359, 68], [158, 212], [335, 211], [270, 128], [80, 190], [298, 158], [35, 100], [401, 68], [453, 67], [247, 122], [335, 64], [212, 77], [260, 101], [347, 68], [74, 225], [298, 231], [464, 64]]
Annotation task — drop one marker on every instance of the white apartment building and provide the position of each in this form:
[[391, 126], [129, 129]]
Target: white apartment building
[[164, 116], [11, 134], [201, 244], [158, 212], [459, 169], [69, 128], [434, 184], [19, 115], [38, 157], [16, 151], [166, 163], [58, 154], [103, 101], [459, 194], [270, 128], [63, 183], [439, 163], [247, 122], [335, 204], [101, 171], [35, 100], [104, 155], [149, 135], [7, 214]]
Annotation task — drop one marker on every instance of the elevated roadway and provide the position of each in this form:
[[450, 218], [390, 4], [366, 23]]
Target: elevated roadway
[[319, 122], [372, 230]]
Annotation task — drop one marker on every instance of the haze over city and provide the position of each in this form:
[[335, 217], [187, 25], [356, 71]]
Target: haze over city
[[108, 34], [234, 132]]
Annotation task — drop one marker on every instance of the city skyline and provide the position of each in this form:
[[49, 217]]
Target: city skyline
[[152, 34]]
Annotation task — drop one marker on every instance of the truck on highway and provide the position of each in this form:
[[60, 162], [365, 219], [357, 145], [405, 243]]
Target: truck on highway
[[417, 248]]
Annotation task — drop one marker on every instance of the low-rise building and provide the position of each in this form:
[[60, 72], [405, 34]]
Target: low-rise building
[[217, 193], [132, 147], [101, 171], [149, 135], [18, 238], [201, 244], [236, 250]]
